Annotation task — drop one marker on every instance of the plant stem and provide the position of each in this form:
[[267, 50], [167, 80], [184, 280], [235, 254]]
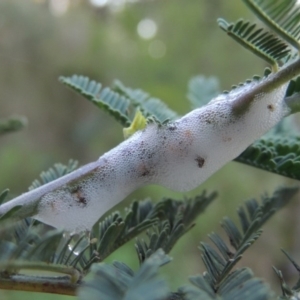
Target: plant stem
[[273, 81], [54, 285], [65, 285], [10, 267]]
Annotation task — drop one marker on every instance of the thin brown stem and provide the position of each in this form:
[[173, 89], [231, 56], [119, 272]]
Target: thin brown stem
[[53, 285], [10, 267], [65, 285]]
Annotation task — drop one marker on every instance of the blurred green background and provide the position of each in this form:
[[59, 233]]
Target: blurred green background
[[154, 45]]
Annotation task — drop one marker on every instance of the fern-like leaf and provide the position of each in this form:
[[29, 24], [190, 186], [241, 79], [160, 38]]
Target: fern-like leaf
[[10, 213], [220, 263], [179, 218], [25, 243], [121, 102], [151, 107], [277, 154], [289, 292], [114, 231], [127, 285], [3, 195], [241, 284], [293, 95], [12, 124], [282, 16], [5, 218], [51, 174], [294, 87], [201, 90], [106, 99], [257, 40]]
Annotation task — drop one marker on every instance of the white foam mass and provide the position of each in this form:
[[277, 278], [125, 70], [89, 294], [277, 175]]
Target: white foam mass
[[179, 155]]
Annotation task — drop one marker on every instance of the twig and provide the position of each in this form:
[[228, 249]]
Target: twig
[[54, 285], [8, 267], [65, 284]]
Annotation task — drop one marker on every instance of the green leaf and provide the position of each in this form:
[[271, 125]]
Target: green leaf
[[12, 124], [287, 292], [110, 234], [255, 78], [116, 231], [179, 218], [108, 240], [241, 284], [262, 43], [25, 242], [45, 248], [293, 95], [201, 90], [151, 107], [3, 195], [281, 16], [278, 154], [51, 174], [175, 218], [121, 102], [252, 217], [294, 87], [144, 284], [10, 213], [200, 290], [106, 99]]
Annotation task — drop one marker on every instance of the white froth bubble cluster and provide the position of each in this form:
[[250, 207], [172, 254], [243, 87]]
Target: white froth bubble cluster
[[179, 155]]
